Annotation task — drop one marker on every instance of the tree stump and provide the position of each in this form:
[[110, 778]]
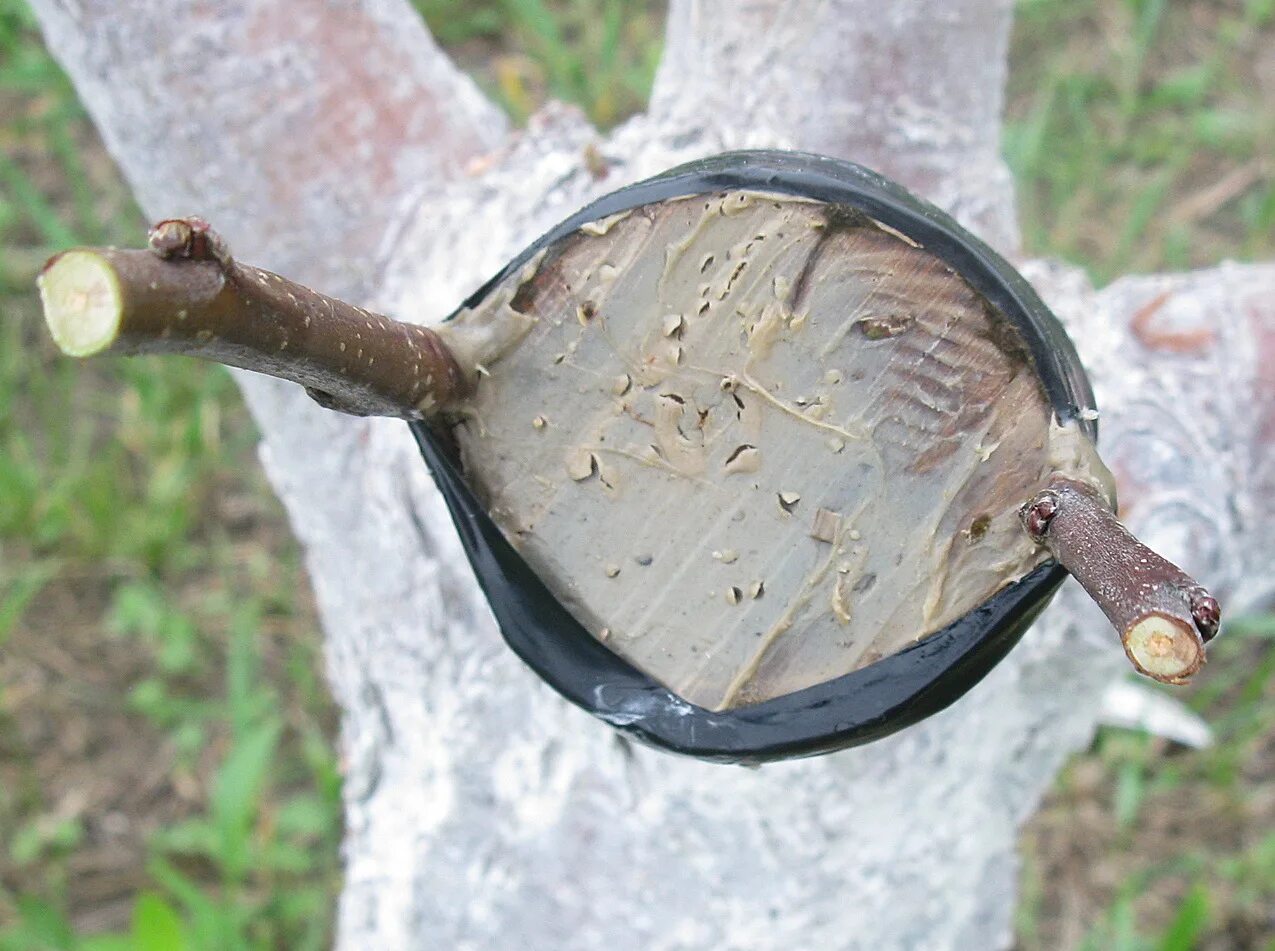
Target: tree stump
[[335, 143]]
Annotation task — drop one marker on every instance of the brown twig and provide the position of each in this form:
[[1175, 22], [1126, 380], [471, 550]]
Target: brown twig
[[186, 295], [1163, 615]]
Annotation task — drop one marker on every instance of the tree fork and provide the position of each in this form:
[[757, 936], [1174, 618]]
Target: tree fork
[[186, 295], [1163, 615]]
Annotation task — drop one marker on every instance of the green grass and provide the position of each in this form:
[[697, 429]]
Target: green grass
[[1143, 138], [1183, 840], [598, 54], [154, 619], [116, 478]]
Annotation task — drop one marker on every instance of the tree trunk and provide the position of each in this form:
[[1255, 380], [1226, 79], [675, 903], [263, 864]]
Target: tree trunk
[[334, 143]]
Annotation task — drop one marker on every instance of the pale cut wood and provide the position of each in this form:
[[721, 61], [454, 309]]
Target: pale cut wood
[[480, 810]]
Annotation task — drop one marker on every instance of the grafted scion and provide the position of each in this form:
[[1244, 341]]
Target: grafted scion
[[1163, 615], [187, 295]]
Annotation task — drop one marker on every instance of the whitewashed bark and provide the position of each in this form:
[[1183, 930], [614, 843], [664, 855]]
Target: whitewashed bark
[[911, 88], [482, 811]]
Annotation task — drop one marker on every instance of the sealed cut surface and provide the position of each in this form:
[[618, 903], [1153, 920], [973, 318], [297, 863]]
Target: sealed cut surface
[[754, 443]]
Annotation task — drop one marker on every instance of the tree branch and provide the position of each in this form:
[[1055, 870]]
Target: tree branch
[[186, 295], [280, 120], [1163, 615], [911, 89]]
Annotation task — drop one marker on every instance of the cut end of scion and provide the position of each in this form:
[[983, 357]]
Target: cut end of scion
[[1164, 648], [1164, 617], [83, 302]]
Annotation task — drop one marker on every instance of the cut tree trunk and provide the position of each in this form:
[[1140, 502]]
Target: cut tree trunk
[[336, 144]]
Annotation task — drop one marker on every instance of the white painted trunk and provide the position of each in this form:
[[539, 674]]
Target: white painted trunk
[[334, 142]]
